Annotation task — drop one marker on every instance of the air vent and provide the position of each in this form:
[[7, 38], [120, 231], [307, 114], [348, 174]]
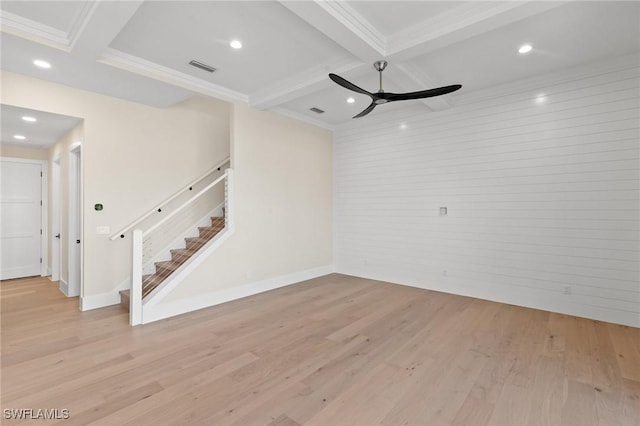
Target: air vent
[[316, 110], [202, 66]]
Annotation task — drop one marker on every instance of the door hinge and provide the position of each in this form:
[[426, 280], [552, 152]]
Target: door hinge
[[40, 203], [40, 174], [41, 232], [40, 260]]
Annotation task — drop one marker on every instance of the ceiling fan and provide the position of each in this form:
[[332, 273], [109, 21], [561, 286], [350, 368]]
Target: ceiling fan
[[381, 97]]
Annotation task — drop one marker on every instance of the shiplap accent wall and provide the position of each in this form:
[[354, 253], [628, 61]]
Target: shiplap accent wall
[[541, 182]]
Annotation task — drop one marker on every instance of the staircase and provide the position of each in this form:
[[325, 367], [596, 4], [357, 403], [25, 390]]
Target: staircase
[[178, 257]]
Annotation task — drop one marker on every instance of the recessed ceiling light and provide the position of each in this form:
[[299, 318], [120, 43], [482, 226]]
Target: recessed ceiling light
[[42, 64], [350, 100], [541, 98], [29, 119], [20, 137], [403, 126], [236, 44], [525, 48]]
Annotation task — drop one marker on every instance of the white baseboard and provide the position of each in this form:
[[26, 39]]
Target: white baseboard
[[170, 309], [102, 300], [64, 287], [559, 306]]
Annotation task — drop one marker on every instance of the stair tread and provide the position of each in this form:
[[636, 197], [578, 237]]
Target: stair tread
[[166, 268]]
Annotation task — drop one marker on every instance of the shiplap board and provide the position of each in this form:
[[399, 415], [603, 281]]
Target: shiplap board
[[541, 179]]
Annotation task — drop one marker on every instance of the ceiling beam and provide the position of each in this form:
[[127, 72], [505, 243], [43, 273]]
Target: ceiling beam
[[342, 24], [411, 78], [304, 83], [93, 35], [461, 23]]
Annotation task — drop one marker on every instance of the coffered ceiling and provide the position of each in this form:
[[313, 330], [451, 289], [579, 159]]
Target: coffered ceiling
[[140, 50]]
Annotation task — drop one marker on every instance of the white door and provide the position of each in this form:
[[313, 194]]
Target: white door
[[20, 219]]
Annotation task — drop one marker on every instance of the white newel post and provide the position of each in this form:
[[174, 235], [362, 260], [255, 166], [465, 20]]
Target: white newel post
[[229, 199], [135, 297]]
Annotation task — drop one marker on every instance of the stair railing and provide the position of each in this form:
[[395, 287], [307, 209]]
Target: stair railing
[[140, 238], [159, 208]]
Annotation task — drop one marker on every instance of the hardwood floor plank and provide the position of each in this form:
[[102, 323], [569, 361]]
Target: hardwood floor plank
[[335, 350], [473, 412]]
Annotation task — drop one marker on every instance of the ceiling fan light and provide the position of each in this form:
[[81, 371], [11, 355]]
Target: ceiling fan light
[[236, 44], [350, 100]]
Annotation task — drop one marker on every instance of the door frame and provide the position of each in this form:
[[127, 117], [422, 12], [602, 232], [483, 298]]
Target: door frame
[[75, 213], [56, 219], [44, 210]]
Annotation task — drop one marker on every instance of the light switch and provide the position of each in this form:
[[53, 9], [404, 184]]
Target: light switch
[[102, 230], [443, 211]]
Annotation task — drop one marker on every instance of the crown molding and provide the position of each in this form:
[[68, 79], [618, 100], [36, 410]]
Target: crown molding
[[356, 23], [137, 65], [80, 23], [34, 31]]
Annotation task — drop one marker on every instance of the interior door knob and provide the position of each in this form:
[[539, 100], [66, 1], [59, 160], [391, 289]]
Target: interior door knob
[[58, 236], [77, 241]]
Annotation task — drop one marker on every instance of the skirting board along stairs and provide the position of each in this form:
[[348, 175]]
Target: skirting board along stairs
[[178, 256]]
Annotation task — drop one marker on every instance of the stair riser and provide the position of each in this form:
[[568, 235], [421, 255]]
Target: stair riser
[[206, 232], [178, 257]]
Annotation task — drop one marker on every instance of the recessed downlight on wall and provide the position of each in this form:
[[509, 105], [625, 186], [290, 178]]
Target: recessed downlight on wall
[[29, 119], [350, 100], [19, 137], [525, 48], [42, 64], [236, 44]]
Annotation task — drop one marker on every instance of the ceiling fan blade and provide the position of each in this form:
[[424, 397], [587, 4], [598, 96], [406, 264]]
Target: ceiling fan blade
[[348, 85], [366, 111], [423, 93]]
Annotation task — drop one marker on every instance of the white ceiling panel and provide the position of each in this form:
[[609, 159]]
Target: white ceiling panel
[[568, 36], [44, 132], [18, 55], [276, 43], [61, 15]]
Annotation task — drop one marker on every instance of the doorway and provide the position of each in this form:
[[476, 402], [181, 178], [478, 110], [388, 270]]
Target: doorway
[[56, 213], [75, 220]]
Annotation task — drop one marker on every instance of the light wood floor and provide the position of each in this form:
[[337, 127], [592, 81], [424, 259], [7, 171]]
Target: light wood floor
[[332, 351]]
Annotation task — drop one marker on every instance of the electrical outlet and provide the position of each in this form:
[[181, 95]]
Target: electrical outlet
[[566, 290], [443, 211]]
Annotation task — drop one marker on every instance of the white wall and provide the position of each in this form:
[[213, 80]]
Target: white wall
[[17, 151], [541, 195], [283, 211], [133, 157]]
